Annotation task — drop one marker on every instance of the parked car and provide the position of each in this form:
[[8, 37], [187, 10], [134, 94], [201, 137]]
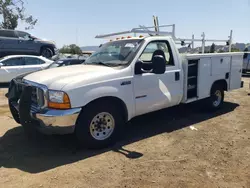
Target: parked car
[[13, 42], [66, 62], [14, 65]]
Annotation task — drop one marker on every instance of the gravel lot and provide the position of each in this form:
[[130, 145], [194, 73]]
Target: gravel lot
[[158, 150]]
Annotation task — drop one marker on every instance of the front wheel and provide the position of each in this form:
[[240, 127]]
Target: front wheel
[[216, 99], [99, 125]]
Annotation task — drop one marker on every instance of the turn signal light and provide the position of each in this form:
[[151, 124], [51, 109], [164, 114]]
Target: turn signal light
[[65, 105]]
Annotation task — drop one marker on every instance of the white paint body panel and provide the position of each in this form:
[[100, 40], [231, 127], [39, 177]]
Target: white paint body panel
[[147, 92]]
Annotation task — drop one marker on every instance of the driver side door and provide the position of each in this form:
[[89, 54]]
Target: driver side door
[[157, 91], [25, 44]]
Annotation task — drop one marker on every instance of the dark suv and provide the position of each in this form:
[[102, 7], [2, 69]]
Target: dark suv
[[13, 42]]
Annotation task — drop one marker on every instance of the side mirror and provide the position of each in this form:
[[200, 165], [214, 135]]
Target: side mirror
[[1, 65], [159, 64], [138, 67], [31, 38]]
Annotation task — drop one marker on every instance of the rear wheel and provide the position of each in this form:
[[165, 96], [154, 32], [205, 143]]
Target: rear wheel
[[216, 99], [99, 125], [46, 52]]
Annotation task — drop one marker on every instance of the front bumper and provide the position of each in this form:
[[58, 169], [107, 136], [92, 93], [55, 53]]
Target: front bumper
[[57, 121], [47, 121]]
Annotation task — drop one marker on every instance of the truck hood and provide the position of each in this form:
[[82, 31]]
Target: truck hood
[[57, 78]]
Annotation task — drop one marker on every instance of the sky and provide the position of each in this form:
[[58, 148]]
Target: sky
[[79, 21]]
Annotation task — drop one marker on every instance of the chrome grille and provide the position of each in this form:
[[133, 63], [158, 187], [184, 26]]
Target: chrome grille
[[38, 96]]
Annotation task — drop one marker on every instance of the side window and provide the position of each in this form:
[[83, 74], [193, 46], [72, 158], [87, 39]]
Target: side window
[[75, 62], [8, 34], [152, 47], [14, 62], [23, 35], [33, 61]]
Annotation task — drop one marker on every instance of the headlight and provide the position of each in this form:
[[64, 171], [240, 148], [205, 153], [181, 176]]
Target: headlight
[[58, 100]]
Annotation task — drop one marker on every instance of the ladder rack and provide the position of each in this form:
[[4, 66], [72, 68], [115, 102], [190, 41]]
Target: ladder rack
[[183, 41]]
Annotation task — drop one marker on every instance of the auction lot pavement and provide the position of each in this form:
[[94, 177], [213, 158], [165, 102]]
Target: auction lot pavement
[[178, 147]]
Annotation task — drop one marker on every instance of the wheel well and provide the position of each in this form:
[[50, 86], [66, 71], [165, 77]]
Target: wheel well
[[116, 101], [222, 83], [47, 47]]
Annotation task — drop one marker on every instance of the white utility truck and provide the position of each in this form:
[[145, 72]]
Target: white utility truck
[[125, 78]]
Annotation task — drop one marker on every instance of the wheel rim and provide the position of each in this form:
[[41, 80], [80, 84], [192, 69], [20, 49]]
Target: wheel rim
[[218, 98], [46, 53], [102, 126]]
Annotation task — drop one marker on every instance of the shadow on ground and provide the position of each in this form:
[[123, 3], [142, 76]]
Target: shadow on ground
[[54, 151]]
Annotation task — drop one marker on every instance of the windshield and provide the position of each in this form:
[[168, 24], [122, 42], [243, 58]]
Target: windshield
[[115, 53]]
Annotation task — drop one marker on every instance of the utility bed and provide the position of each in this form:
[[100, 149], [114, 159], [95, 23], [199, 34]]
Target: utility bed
[[202, 70]]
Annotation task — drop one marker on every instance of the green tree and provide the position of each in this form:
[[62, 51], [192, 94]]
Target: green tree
[[12, 11], [235, 50], [212, 48], [71, 49]]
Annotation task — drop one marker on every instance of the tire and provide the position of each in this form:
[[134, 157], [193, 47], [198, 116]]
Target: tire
[[216, 99], [46, 52], [99, 125]]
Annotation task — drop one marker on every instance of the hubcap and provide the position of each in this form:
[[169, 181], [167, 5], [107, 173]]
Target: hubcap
[[218, 98], [102, 126]]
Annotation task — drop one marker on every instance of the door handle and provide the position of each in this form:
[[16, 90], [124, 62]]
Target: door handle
[[177, 76]]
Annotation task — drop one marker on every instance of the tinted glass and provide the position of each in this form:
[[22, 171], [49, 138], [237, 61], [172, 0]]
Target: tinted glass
[[13, 62], [75, 62], [7, 33], [23, 35], [33, 61]]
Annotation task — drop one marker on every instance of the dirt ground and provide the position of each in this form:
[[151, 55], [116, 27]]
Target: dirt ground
[[178, 147]]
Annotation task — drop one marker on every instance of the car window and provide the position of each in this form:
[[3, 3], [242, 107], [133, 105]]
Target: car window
[[7, 33], [33, 61], [23, 35], [13, 62], [148, 52], [75, 62]]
